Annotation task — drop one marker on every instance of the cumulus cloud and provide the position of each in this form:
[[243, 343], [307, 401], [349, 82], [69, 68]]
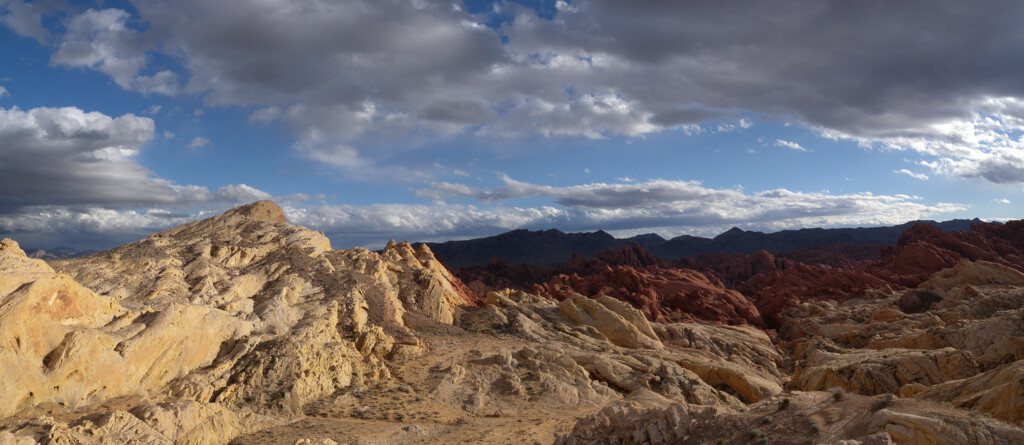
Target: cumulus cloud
[[198, 142], [789, 144], [85, 228], [101, 39], [375, 224], [3, 92], [598, 195], [1001, 201], [70, 157], [914, 175], [25, 19]]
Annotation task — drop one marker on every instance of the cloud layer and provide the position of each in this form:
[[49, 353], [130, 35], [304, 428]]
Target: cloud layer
[[68, 170], [929, 76], [667, 207], [70, 157]]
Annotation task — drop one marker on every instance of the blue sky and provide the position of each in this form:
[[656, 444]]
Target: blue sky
[[442, 120]]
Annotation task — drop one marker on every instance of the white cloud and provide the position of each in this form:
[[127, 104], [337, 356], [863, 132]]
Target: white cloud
[[1001, 201], [625, 179], [198, 142], [70, 157], [239, 193], [789, 144], [168, 134], [689, 204], [154, 109], [338, 155], [42, 220], [101, 39], [594, 116], [265, 114], [381, 221], [904, 171], [3, 92], [985, 145]]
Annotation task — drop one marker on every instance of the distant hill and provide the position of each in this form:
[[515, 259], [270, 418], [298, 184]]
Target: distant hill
[[550, 247]]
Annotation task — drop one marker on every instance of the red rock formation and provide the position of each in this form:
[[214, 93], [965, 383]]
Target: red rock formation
[[776, 291], [847, 255], [735, 269], [499, 274], [693, 289], [923, 250], [663, 294]]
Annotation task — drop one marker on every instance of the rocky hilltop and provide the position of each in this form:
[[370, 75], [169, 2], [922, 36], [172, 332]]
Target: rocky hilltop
[[246, 329]]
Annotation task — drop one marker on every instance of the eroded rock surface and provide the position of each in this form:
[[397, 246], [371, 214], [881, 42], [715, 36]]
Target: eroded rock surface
[[243, 328], [665, 295]]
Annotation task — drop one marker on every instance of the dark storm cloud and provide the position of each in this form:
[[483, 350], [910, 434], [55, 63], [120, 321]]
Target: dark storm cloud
[[69, 157], [457, 112], [683, 117], [834, 64]]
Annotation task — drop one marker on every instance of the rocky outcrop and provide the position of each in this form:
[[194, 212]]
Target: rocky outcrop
[[178, 422], [243, 328], [923, 250], [242, 309], [798, 417], [958, 339], [872, 372], [999, 392], [663, 295], [91, 348], [974, 273], [616, 345]]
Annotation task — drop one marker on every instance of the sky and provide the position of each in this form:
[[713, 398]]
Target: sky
[[431, 120]]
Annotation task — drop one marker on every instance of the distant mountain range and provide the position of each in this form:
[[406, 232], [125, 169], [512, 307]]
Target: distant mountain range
[[550, 247]]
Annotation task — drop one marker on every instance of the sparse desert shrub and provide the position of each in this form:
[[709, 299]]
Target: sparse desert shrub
[[783, 404], [837, 394], [815, 427]]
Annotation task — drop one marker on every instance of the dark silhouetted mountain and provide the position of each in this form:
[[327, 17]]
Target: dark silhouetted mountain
[[551, 247], [539, 248], [645, 240], [743, 242]]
